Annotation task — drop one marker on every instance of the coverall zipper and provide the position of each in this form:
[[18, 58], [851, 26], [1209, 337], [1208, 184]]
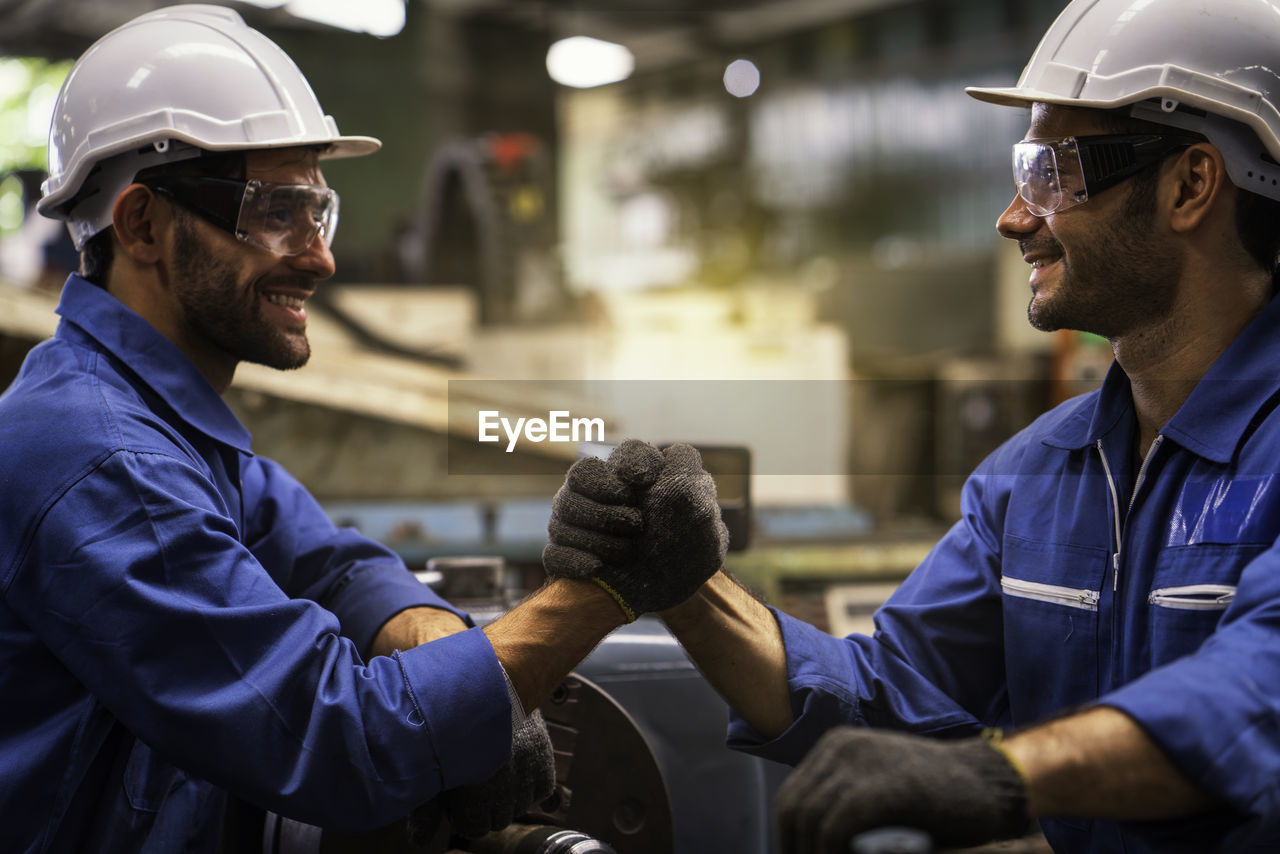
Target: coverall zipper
[[1115, 507], [1059, 595], [1115, 501], [1116, 643], [1194, 597]]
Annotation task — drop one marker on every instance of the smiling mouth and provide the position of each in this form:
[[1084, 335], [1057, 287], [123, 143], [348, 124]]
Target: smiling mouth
[[1040, 274], [284, 300], [1039, 262]]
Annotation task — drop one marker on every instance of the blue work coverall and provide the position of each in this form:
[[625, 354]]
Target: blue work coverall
[[179, 620], [1084, 573]]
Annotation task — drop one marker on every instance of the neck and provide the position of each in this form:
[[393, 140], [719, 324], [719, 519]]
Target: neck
[[153, 301], [1165, 359]]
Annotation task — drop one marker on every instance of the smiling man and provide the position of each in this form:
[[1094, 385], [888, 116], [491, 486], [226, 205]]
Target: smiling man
[[179, 620], [222, 304], [1111, 592]]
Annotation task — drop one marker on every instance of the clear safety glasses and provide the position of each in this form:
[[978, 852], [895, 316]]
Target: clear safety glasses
[[1056, 174], [281, 218]]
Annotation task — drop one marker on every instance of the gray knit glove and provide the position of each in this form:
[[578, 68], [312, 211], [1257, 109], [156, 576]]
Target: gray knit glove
[[644, 525], [527, 779], [855, 779]]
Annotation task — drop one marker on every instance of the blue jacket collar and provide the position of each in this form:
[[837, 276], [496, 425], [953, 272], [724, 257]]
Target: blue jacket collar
[[1216, 417], [154, 359]]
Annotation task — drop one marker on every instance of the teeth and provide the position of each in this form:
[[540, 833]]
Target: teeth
[[287, 301]]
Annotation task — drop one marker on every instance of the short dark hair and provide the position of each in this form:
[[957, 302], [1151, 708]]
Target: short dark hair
[[1257, 217], [99, 250], [96, 257]]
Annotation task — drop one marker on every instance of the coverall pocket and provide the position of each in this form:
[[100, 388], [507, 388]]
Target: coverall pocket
[[1192, 589], [1050, 604]]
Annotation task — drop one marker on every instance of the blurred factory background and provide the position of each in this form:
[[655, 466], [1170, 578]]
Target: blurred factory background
[[760, 225]]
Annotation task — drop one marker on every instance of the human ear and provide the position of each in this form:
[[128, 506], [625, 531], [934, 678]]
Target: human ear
[[1200, 181], [136, 221]]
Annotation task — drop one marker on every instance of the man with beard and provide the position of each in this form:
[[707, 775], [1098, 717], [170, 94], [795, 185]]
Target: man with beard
[[1110, 598], [179, 621]]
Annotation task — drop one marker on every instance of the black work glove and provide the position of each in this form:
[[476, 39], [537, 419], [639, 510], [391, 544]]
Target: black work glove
[[856, 779], [527, 779], [644, 525]]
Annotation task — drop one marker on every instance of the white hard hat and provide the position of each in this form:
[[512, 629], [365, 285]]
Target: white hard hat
[[163, 87], [1210, 66]]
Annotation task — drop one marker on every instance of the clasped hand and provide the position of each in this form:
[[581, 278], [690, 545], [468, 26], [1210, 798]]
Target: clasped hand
[[644, 525]]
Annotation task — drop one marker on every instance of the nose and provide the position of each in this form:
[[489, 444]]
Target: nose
[[317, 259], [1017, 222]]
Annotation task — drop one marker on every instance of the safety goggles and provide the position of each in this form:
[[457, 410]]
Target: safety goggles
[[281, 218], [1056, 174]]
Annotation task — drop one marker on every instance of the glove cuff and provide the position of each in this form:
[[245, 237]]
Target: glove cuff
[[994, 736], [627, 610]]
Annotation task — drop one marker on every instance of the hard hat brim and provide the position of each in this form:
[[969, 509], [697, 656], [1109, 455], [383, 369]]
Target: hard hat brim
[[1014, 96], [351, 146]]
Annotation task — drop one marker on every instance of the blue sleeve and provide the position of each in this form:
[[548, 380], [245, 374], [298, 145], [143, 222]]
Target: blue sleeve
[[360, 581], [934, 665], [1216, 712], [137, 582]]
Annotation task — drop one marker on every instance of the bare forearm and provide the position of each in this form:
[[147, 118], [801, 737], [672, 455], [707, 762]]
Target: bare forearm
[[413, 627], [1101, 764], [538, 642], [735, 641], [545, 637]]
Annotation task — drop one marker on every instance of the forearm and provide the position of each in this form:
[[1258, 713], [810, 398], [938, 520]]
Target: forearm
[[545, 636], [413, 627], [737, 645], [1101, 764]]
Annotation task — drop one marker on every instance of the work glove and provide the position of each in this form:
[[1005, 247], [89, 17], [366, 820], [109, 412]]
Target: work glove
[[644, 525], [855, 779], [527, 779]]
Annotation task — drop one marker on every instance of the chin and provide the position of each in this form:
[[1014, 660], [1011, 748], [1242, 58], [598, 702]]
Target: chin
[[294, 363], [1043, 317], [287, 357]]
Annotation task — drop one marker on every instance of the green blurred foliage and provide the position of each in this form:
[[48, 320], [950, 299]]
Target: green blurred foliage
[[28, 88]]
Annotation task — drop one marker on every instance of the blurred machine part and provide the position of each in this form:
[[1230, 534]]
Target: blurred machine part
[[850, 607], [981, 403], [486, 221], [610, 796], [425, 324], [649, 763], [608, 783], [539, 839], [925, 422]]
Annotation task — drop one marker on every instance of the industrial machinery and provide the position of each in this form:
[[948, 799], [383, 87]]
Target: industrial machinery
[[641, 763], [641, 767]]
